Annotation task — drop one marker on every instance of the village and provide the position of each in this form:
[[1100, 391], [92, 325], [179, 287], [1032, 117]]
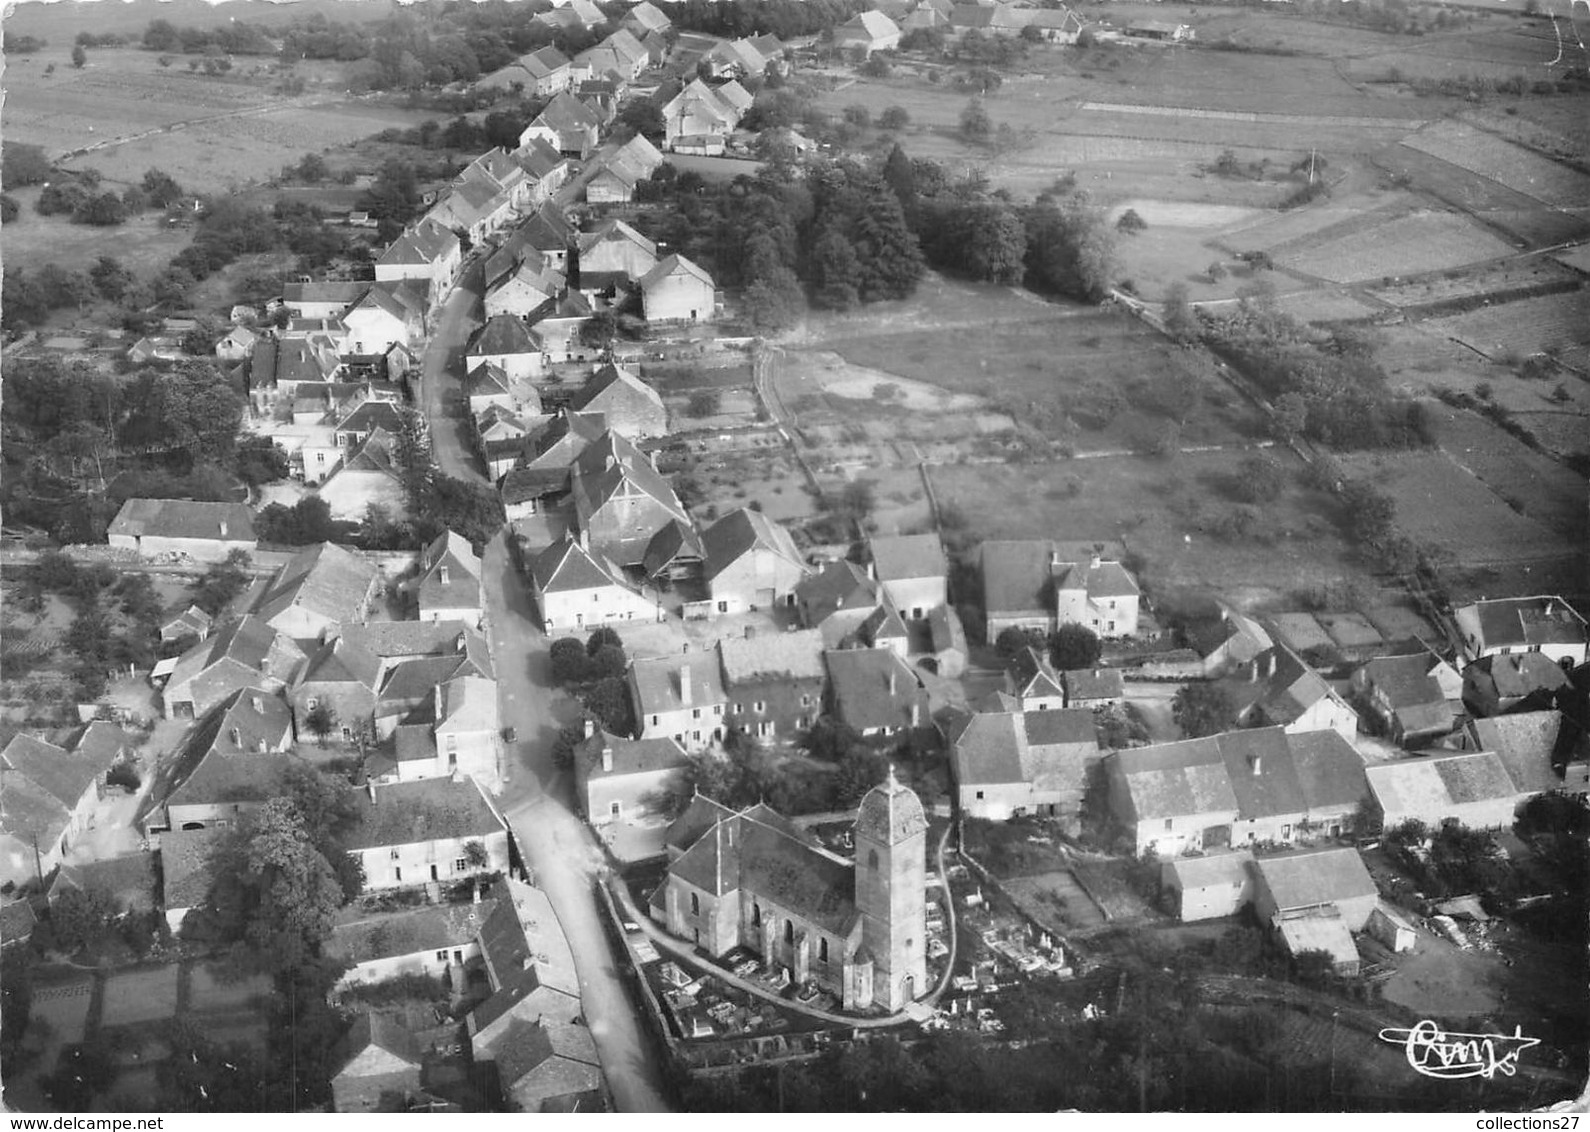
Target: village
[[599, 704]]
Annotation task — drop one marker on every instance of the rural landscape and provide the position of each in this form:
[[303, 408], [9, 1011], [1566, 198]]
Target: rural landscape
[[795, 555]]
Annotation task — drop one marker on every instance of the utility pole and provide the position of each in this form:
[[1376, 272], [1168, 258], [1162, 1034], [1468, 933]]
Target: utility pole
[[1311, 151]]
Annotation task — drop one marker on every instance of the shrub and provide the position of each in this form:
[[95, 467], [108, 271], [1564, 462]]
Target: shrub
[[124, 774]]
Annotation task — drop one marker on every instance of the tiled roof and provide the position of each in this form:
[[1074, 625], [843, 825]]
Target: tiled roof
[[747, 853], [566, 566], [64, 775], [565, 112], [181, 518], [468, 703], [860, 679], [614, 385], [505, 334], [1048, 749], [213, 767], [675, 541], [1433, 785], [699, 816], [741, 531], [1526, 743], [1214, 870], [1094, 683], [406, 638], [1096, 579], [185, 865], [837, 586], [342, 661], [1527, 622], [430, 809], [1406, 681], [674, 264], [381, 1032], [1321, 876], [901, 557], [630, 756], [1176, 779], [1330, 772], [789, 656], [29, 811], [1517, 674], [360, 937], [450, 552], [132, 879], [614, 230], [1016, 577], [324, 578], [658, 686]]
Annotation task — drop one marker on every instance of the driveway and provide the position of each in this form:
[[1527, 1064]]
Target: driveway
[[538, 802], [443, 375]]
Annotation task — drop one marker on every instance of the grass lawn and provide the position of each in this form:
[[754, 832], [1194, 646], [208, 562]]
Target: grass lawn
[[141, 996], [143, 245]]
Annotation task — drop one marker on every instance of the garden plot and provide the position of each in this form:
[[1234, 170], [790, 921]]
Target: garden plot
[[1503, 162], [1544, 489], [146, 995], [1548, 323], [210, 989], [1492, 282], [1402, 245], [64, 1006], [1327, 306]]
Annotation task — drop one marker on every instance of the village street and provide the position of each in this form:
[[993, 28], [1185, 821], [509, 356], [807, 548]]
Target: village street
[[443, 373], [558, 847]]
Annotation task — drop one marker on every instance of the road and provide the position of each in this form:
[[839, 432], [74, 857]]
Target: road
[[442, 373], [557, 845]]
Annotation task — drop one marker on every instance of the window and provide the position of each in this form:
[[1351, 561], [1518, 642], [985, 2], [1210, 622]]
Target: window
[[872, 858], [759, 707], [756, 915], [394, 854], [739, 709], [1286, 831], [320, 457], [979, 795], [695, 736], [806, 701], [460, 864], [654, 721], [452, 742], [397, 875], [311, 704], [695, 904], [822, 950], [723, 607], [695, 713], [717, 709], [614, 809], [596, 597], [347, 734], [1167, 822], [789, 931], [441, 956]]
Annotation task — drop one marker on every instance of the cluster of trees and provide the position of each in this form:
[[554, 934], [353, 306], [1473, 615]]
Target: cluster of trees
[[500, 127], [15, 44], [80, 442], [1068, 648], [1332, 391], [746, 773], [786, 19], [234, 37], [115, 622], [438, 502], [1203, 708]]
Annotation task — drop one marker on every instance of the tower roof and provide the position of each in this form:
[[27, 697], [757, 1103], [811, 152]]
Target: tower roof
[[890, 812]]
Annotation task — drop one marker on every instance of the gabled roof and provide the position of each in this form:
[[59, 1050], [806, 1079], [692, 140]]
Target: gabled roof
[[676, 541], [1318, 876], [132, 879], [1433, 785], [1292, 688], [372, 415], [772, 656], [883, 624], [1098, 579], [379, 1032], [1406, 681], [468, 703], [565, 112], [1016, 576], [185, 865], [408, 638], [324, 578], [1176, 779], [902, 557], [1033, 675], [613, 385], [505, 334], [837, 586], [1526, 743], [611, 466], [648, 16], [614, 230], [450, 553], [182, 518], [1094, 683], [221, 760], [659, 687], [424, 244], [360, 937], [630, 756], [567, 566], [1525, 622], [430, 809], [1047, 749], [874, 25], [1517, 674], [860, 679], [559, 441], [670, 266], [739, 533], [1213, 870], [342, 661]]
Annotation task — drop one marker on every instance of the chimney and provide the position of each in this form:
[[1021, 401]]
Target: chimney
[[609, 463], [1054, 557], [254, 702], [1095, 562], [223, 529], [590, 727], [607, 758], [891, 681], [585, 539], [1269, 665], [474, 893], [684, 684], [443, 573], [1257, 761], [237, 737]]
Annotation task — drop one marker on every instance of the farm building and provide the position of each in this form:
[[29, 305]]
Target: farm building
[[131, 881], [50, 793], [1232, 642], [1516, 682], [419, 832], [506, 341], [241, 653], [913, 571], [377, 1059], [876, 692], [575, 589], [1315, 900], [1160, 30], [836, 600], [645, 18], [702, 115], [1093, 687], [236, 344], [620, 499], [751, 562], [319, 587], [325, 299], [1391, 928], [1528, 743], [1473, 788], [567, 124], [1545, 625], [427, 940], [1414, 698], [208, 532], [1279, 688], [185, 871], [615, 777], [867, 32], [1027, 584], [339, 677], [612, 256], [678, 290], [633, 162], [1208, 887], [228, 765], [631, 408], [1014, 763], [542, 73]]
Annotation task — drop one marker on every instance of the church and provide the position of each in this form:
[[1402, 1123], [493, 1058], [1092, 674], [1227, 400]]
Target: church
[[753, 879]]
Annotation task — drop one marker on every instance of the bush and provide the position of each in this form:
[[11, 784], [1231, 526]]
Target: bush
[[1131, 223], [123, 774], [704, 403]]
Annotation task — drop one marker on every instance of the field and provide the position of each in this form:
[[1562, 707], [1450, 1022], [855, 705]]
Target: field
[[1511, 275], [1394, 244], [1503, 162], [1517, 214], [58, 23], [1550, 493], [1549, 323], [144, 245], [1163, 511], [141, 996], [123, 113]]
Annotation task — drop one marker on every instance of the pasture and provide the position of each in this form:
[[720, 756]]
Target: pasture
[[144, 245], [1390, 244], [142, 995], [1559, 324], [1503, 162], [1167, 511], [1545, 490]]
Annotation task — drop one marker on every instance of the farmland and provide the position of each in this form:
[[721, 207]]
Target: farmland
[[1503, 162], [144, 244], [1387, 244], [1555, 323]]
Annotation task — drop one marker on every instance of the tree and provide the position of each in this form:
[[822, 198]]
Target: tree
[[599, 330], [993, 242], [260, 460], [79, 56], [835, 272], [162, 188], [22, 164], [604, 636], [295, 890], [312, 169], [1203, 708], [608, 701], [1259, 479], [1131, 223], [321, 719], [894, 118], [1012, 640], [703, 403], [860, 769], [644, 117], [976, 126], [1178, 314], [570, 662], [82, 919], [1073, 646], [1070, 249], [221, 583]]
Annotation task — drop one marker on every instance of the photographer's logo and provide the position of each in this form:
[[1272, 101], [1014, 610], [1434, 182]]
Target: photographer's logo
[[1435, 1052]]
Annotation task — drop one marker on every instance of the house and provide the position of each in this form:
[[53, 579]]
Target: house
[[162, 348], [867, 32], [1314, 900], [735, 58], [633, 162], [877, 693], [191, 622], [701, 117], [559, 325], [49, 796], [1527, 743], [1208, 887], [322, 300], [508, 342], [433, 829], [1280, 688], [1014, 763], [468, 730], [401, 640], [498, 171], [429, 940], [1027, 584], [912, 569], [378, 1063], [369, 475], [1472, 788], [619, 780], [1032, 681], [186, 873], [1546, 625], [448, 588], [836, 600], [540, 73], [236, 344], [390, 314], [531, 1028], [1233, 642], [576, 590], [620, 499], [229, 764], [566, 124], [620, 58], [613, 255], [320, 586], [208, 532], [428, 251], [677, 290], [574, 13], [882, 628], [365, 420], [774, 682], [645, 18], [130, 881], [1093, 687], [751, 562], [276, 368], [630, 407], [546, 231], [337, 689], [1413, 699], [857, 930], [1501, 683], [500, 435], [521, 284], [242, 653], [547, 170], [680, 696], [474, 208], [1240, 787]]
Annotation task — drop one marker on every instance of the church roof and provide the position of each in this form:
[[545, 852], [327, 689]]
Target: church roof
[[890, 813]]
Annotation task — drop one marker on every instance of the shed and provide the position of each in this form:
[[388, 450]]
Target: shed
[[1205, 888], [1388, 926]]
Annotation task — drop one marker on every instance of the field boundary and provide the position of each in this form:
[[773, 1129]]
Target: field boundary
[[1259, 117]]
